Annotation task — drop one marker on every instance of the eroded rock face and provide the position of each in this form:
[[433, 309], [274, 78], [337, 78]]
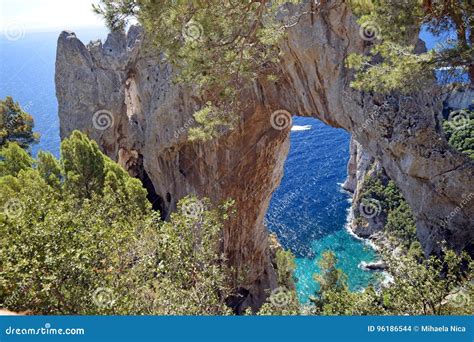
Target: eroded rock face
[[128, 104], [125, 100], [402, 132]]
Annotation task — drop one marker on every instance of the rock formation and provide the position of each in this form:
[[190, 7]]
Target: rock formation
[[127, 102], [125, 99]]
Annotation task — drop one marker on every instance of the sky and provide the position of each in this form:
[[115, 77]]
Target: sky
[[47, 15]]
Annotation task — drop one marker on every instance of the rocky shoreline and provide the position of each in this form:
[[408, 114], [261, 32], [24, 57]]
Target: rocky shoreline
[[361, 167]]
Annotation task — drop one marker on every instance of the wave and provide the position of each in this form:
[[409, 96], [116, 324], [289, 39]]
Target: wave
[[296, 128]]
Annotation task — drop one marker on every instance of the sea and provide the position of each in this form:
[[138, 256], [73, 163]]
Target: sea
[[27, 74], [309, 210]]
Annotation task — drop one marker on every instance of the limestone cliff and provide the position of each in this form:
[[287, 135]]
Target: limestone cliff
[[362, 166], [125, 100]]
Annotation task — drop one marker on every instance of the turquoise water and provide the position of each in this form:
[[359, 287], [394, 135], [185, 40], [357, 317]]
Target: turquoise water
[[349, 251], [308, 212]]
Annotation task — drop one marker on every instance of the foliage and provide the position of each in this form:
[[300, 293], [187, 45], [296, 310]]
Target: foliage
[[401, 225], [393, 64], [220, 47], [13, 159], [395, 73], [331, 280], [426, 287], [281, 302], [15, 124], [285, 266], [433, 286], [459, 129], [393, 209], [78, 236]]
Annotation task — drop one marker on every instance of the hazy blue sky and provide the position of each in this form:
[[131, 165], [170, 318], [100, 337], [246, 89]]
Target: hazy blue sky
[[44, 15]]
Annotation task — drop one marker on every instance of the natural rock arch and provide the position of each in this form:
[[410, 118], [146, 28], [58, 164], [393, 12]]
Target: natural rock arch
[[149, 115]]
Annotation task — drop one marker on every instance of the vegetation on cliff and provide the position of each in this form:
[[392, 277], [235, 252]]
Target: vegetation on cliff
[[15, 124], [392, 23], [459, 129], [389, 207], [78, 236], [419, 287]]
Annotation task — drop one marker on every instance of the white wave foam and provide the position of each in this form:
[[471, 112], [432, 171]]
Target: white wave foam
[[296, 128], [347, 226]]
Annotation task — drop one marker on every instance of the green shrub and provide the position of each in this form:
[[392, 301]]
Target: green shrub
[[459, 131], [78, 236], [15, 124]]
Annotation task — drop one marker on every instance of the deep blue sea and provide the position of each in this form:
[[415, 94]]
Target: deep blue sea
[[27, 74], [308, 211]]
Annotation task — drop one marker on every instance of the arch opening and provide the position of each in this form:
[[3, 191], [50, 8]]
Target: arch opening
[[309, 210]]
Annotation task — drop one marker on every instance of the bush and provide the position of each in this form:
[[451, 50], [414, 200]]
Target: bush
[[15, 124], [78, 236], [459, 131]]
